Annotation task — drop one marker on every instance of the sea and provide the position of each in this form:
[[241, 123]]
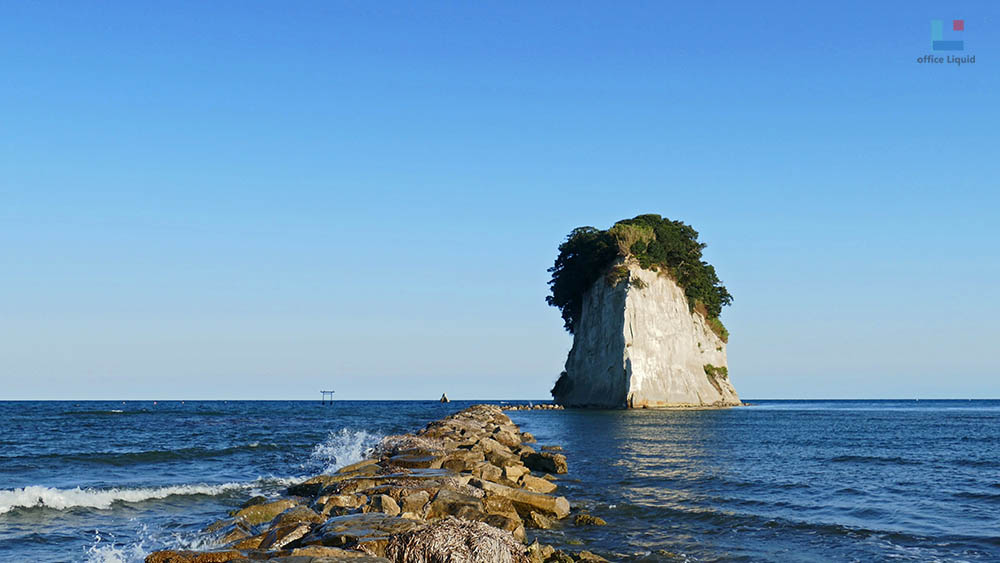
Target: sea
[[773, 481]]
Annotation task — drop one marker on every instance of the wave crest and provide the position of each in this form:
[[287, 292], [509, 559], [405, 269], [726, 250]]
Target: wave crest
[[344, 447], [60, 499]]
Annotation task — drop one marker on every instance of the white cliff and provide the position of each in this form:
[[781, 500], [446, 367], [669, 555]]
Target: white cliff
[[637, 344]]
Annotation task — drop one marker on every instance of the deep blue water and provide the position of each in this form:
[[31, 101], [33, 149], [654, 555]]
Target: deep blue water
[[779, 480]]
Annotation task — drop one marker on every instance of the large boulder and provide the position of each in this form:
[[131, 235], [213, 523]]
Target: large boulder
[[452, 503], [537, 484], [546, 462], [280, 536], [355, 529], [262, 513], [526, 501], [383, 504], [296, 515]]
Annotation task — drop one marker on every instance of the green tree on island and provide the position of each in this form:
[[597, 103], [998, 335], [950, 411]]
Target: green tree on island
[[658, 244]]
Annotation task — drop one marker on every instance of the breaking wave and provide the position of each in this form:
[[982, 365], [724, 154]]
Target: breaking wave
[[61, 499], [344, 447]]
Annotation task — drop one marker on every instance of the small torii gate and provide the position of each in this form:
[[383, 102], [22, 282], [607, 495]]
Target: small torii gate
[[327, 395]]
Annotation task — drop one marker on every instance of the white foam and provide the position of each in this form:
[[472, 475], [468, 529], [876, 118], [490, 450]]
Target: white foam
[[60, 499], [107, 550], [344, 448]]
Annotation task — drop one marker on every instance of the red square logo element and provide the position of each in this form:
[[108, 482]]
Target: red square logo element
[[958, 25]]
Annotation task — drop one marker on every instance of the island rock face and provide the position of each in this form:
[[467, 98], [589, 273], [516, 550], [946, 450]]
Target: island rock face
[[637, 344]]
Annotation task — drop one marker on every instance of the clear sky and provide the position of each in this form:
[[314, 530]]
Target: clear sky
[[259, 200]]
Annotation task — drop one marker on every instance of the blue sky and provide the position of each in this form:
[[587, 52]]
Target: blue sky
[[260, 200]]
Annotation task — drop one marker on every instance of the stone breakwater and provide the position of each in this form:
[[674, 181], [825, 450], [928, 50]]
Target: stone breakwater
[[462, 489]]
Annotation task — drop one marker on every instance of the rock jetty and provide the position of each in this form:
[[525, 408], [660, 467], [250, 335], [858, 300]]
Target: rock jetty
[[462, 489]]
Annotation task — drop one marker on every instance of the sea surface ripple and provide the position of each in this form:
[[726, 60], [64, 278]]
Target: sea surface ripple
[[775, 481]]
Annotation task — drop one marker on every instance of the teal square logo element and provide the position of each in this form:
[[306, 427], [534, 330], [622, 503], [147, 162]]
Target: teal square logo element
[[939, 43]]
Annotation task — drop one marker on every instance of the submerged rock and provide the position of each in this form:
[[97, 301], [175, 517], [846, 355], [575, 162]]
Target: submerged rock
[[588, 520]]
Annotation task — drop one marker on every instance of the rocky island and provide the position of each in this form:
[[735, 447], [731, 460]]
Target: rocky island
[[643, 308], [462, 489]]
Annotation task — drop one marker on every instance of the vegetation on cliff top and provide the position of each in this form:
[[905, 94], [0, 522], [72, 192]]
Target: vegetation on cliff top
[[658, 244]]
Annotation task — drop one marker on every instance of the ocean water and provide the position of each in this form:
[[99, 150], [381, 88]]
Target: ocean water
[[776, 481]]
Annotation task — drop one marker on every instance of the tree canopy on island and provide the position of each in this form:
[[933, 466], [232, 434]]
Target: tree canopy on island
[[657, 243]]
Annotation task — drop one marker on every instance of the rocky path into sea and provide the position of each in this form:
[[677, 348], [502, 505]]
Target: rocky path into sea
[[462, 489]]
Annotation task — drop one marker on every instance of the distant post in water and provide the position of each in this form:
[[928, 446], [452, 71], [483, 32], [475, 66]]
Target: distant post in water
[[327, 395]]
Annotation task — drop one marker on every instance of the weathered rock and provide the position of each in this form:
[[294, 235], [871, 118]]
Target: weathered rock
[[509, 439], [353, 529], [235, 535], [280, 536], [312, 487], [230, 530], [451, 503], [488, 471], [510, 522], [454, 540], [252, 542], [551, 448], [540, 521], [254, 500], [297, 514], [502, 458], [416, 460], [588, 520], [414, 502], [537, 484], [639, 344], [513, 473], [526, 501], [546, 462], [559, 556], [462, 460], [383, 504], [539, 553], [593, 557], [527, 437], [342, 501], [394, 445], [261, 513], [171, 556], [364, 465]]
